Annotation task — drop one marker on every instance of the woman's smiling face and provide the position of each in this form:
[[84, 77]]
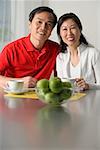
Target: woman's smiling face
[[70, 33]]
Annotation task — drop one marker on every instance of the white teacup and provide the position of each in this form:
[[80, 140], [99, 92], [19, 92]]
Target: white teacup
[[15, 85]]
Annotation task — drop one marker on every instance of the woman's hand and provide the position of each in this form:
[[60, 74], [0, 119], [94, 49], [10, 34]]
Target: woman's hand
[[29, 81], [80, 82]]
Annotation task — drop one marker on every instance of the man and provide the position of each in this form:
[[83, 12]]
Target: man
[[33, 57]]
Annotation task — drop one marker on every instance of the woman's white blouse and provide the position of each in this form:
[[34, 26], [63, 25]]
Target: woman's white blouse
[[75, 71], [89, 65]]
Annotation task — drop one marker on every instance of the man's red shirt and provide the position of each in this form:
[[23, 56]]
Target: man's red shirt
[[20, 58]]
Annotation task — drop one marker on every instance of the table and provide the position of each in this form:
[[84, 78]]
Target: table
[[27, 124]]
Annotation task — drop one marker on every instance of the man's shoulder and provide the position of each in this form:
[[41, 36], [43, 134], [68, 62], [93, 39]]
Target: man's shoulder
[[16, 42], [53, 43]]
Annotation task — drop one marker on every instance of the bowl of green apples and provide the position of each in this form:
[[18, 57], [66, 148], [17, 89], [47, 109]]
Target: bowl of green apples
[[54, 91]]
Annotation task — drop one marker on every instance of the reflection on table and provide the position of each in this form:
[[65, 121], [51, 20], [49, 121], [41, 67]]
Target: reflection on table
[[29, 124]]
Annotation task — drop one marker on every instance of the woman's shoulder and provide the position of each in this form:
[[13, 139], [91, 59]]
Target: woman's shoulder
[[93, 50], [90, 49], [93, 53]]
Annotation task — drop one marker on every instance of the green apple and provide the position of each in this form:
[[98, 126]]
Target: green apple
[[52, 98], [55, 85], [67, 84], [43, 84], [65, 94]]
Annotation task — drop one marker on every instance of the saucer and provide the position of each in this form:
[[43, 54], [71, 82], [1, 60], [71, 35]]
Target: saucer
[[72, 79], [68, 79], [7, 90]]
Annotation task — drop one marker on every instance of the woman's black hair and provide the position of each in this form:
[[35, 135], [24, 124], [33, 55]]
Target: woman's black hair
[[42, 9], [77, 21]]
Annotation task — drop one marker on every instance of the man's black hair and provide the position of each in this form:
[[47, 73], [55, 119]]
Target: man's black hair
[[42, 9]]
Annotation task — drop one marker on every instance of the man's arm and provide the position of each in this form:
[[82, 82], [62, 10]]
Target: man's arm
[[28, 81], [3, 81]]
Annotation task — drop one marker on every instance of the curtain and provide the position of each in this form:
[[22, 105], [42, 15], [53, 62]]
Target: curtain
[[5, 21], [17, 18], [12, 24]]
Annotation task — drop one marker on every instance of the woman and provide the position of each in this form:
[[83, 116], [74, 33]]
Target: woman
[[77, 58]]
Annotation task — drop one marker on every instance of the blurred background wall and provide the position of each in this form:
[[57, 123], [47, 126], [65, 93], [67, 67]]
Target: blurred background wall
[[14, 17]]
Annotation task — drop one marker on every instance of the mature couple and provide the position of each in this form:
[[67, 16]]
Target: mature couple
[[35, 57]]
